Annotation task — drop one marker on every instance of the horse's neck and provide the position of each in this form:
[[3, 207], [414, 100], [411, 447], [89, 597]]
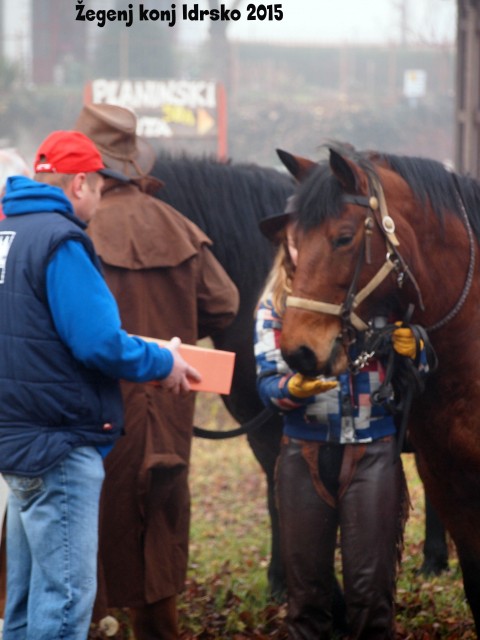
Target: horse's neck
[[446, 268], [457, 346]]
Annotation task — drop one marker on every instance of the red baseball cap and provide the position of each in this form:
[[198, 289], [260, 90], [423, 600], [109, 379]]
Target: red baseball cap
[[71, 152]]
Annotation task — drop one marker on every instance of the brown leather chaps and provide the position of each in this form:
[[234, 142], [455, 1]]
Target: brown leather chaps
[[359, 492]]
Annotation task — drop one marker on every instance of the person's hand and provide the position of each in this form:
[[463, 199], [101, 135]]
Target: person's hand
[[303, 387], [404, 341], [178, 380]]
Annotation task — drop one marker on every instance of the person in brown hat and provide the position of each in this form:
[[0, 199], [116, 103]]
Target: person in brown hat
[[165, 278]]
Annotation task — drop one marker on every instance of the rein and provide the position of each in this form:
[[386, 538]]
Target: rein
[[471, 265], [245, 428]]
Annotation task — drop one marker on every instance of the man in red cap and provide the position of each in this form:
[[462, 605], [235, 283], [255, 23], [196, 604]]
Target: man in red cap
[[62, 352]]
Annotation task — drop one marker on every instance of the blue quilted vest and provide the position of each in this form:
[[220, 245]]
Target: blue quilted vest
[[49, 402]]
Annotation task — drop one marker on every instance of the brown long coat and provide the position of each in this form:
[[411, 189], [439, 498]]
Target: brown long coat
[[167, 283]]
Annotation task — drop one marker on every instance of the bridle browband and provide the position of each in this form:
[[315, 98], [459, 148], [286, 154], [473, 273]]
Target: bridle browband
[[377, 213]]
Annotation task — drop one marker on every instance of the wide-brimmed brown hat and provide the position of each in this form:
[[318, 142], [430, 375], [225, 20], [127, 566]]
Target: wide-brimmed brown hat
[[273, 225], [113, 130]]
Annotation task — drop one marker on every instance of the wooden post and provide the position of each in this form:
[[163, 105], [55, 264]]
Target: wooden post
[[467, 112]]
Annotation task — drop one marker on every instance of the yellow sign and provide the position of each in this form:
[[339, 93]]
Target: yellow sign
[[205, 122]]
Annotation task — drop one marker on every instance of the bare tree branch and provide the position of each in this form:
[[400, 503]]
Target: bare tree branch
[[219, 44]]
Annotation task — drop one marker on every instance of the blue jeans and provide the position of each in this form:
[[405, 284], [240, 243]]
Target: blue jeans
[[52, 542]]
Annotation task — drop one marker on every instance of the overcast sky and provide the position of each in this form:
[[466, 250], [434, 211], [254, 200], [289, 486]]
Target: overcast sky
[[365, 21], [303, 21]]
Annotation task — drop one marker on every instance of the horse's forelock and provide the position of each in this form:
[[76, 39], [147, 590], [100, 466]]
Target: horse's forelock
[[319, 197]]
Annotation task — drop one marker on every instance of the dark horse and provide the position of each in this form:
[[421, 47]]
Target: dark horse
[[388, 234], [227, 200]]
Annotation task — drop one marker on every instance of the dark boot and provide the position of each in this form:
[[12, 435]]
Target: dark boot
[[156, 621]]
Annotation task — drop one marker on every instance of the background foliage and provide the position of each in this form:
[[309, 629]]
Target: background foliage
[[291, 97]]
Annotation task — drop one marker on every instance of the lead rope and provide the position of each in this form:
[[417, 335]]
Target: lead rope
[[247, 427], [403, 380], [471, 267]]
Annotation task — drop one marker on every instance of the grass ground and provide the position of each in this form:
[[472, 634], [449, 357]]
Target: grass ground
[[226, 592]]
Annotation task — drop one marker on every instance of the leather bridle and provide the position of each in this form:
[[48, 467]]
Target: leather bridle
[[377, 214]]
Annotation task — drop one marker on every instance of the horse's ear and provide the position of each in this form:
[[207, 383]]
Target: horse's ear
[[347, 172], [299, 167]]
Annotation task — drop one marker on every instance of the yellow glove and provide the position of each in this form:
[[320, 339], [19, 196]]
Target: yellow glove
[[302, 387], [404, 341]]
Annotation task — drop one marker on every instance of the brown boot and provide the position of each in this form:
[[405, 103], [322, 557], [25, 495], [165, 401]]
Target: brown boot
[[156, 621]]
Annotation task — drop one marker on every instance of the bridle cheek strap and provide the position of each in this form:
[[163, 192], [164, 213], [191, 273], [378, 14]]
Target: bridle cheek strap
[[337, 309]]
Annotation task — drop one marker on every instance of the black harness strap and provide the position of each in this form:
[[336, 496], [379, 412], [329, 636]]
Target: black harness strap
[[403, 380], [349, 332], [245, 428]]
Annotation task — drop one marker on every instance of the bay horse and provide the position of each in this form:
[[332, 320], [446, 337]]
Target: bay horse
[[384, 235], [227, 201]]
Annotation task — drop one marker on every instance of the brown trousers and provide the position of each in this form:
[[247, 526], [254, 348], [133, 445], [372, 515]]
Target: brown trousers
[[359, 491], [156, 621]]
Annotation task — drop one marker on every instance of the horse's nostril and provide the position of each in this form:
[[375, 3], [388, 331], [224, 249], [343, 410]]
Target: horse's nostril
[[302, 360]]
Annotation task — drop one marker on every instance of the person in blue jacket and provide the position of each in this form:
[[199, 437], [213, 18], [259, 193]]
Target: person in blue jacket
[[62, 353], [338, 473]]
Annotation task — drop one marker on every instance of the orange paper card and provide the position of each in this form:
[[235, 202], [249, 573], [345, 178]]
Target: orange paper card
[[215, 366]]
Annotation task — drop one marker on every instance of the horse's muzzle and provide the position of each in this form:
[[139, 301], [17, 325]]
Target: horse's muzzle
[[304, 360]]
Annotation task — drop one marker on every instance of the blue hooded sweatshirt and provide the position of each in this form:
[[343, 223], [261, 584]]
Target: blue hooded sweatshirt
[[62, 348]]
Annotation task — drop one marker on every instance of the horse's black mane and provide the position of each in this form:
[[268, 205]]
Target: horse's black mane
[[430, 181], [226, 200]]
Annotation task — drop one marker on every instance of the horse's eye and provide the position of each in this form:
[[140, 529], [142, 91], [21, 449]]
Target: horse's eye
[[342, 241]]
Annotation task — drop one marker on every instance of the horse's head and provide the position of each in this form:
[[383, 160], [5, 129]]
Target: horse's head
[[348, 267]]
